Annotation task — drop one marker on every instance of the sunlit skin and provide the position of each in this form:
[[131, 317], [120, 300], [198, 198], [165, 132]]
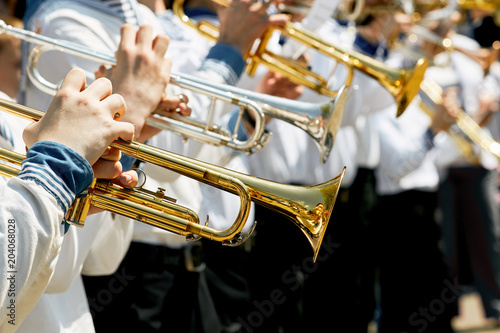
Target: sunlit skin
[[10, 70]]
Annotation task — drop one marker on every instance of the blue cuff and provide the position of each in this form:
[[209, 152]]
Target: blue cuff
[[225, 60], [429, 139], [60, 170], [367, 47]]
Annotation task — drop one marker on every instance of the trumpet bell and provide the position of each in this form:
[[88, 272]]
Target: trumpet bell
[[333, 120], [407, 86], [309, 207]]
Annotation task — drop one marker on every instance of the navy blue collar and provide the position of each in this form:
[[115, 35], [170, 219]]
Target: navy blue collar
[[369, 48], [199, 11]]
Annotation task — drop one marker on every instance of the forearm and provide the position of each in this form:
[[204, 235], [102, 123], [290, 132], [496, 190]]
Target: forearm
[[32, 209]]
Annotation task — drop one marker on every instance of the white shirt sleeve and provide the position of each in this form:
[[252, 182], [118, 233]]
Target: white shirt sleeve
[[32, 209], [31, 236]]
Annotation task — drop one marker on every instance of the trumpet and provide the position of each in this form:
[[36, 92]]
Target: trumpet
[[308, 207], [356, 10], [321, 123], [467, 126], [299, 7], [485, 58], [403, 84], [486, 5], [492, 7], [305, 115]]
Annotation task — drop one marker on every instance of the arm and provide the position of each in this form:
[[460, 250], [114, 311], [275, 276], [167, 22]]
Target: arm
[[71, 136], [31, 210]]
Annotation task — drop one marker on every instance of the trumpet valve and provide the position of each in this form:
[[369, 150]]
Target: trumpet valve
[[160, 195]]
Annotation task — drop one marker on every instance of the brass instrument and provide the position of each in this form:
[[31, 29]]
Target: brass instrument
[[465, 123], [403, 84], [487, 5], [322, 124], [356, 10], [412, 48], [491, 7], [301, 7], [308, 207], [313, 118]]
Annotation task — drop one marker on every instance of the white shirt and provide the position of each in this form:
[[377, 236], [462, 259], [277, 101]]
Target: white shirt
[[469, 75], [406, 156]]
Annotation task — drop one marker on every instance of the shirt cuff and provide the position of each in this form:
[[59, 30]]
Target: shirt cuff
[[429, 139], [225, 60], [60, 170]]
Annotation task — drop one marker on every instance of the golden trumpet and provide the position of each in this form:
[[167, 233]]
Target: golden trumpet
[[357, 10], [308, 207], [491, 7], [403, 84], [465, 123]]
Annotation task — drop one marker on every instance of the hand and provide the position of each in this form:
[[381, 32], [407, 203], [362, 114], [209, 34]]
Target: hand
[[141, 73], [86, 120], [489, 103], [243, 21], [446, 113], [168, 107], [173, 105], [276, 85], [109, 167]]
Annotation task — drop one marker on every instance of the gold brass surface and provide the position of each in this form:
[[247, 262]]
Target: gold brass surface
[[308, 207], [403, 84]]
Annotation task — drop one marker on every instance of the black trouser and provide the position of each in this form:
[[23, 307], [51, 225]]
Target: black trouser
[[471, 231], [276, 293], [339, 291], [156, 293], [417, 292]]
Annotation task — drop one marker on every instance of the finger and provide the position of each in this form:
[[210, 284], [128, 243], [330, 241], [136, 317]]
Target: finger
[[116, 105], [104, 169], [74, 80], [100, 72], [183, 98], [128, 178], [101, 88], [29, 135], [278, 20], [124, 130], [144, 37], [111, 154], [184, 110], [127, 33], [172, 102], [94, 210], [160, 45]]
